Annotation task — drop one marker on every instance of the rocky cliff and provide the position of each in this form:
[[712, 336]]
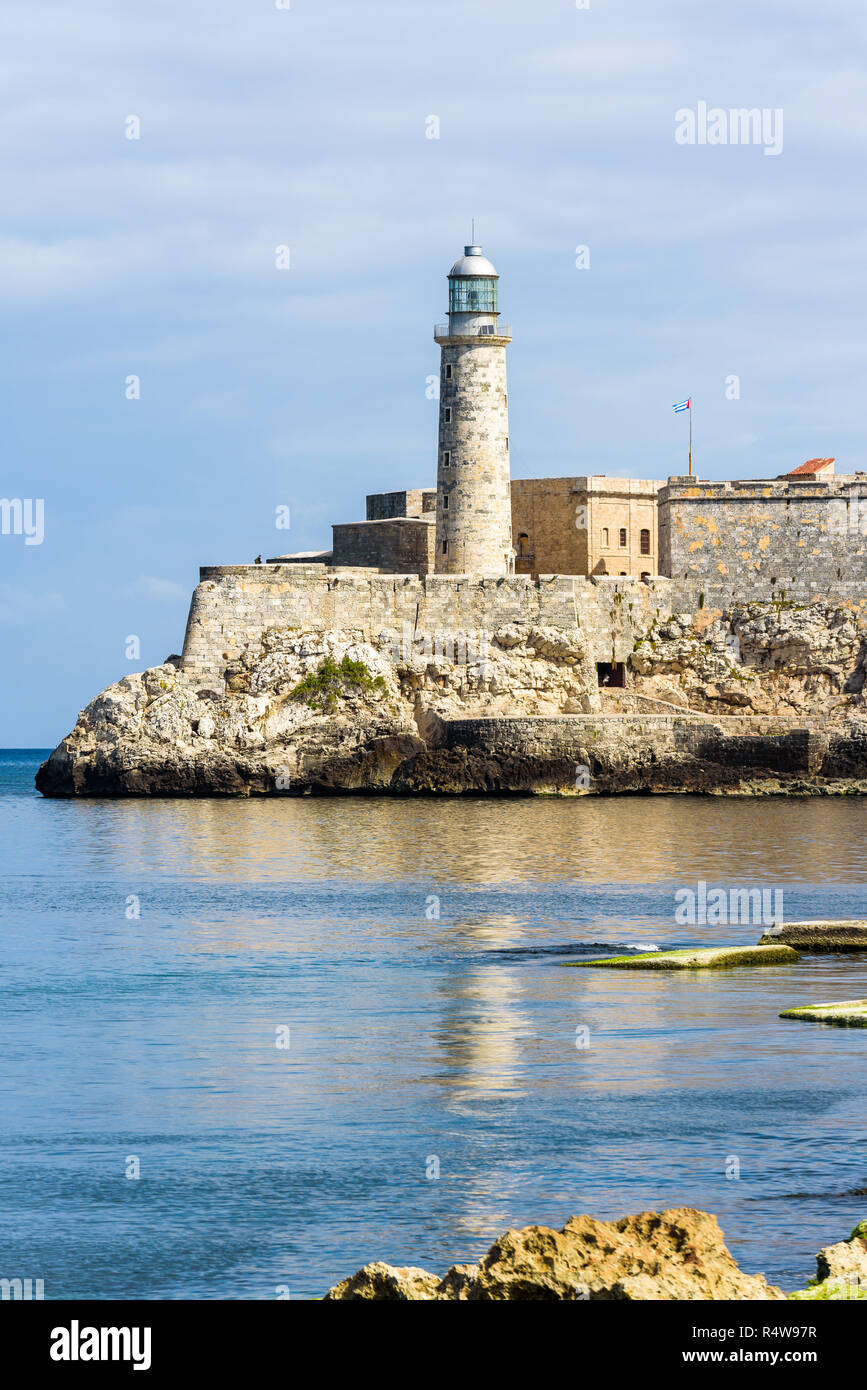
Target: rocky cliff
[[765, 698], [766, 658]]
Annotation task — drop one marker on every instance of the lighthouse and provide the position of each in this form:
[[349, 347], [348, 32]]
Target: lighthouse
[[474, 504]]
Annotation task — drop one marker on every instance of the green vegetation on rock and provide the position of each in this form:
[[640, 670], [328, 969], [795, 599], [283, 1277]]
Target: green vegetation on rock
[[828, 1290], [321, 689]]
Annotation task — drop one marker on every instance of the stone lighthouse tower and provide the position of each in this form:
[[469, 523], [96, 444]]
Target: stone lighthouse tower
[[474, 503]]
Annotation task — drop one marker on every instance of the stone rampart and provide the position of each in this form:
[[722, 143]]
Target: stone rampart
[[668, 752], [233, 606], [755, 540]]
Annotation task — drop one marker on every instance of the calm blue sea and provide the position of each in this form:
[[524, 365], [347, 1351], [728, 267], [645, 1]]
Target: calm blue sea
[[324, 1031]]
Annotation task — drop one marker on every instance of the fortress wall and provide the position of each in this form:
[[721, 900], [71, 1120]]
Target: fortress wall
[[614, 613], [688, 596], [401, 545], [800, 539], [234, 605], [685, 751]]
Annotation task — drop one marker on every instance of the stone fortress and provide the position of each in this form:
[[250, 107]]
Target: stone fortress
[[544, 635], [483, 549]]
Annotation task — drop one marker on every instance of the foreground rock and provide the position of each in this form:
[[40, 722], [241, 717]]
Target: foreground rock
[[819, 936], [700, 958], [301, 712], [676, 1254], [841, 1269], [851, 1013]]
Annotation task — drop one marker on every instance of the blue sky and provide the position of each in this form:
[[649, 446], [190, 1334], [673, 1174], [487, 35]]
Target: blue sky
[[305, 387]]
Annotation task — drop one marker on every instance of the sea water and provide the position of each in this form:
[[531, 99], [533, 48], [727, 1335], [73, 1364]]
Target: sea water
[[248, 1046]]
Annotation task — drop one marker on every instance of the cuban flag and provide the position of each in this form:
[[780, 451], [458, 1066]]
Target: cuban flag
[[682, 405]]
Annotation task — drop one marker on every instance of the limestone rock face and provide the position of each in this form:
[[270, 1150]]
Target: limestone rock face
[[676, 1254], [516, 710], [847, 1260], [841, 1270], [283, 725], [770, 658]]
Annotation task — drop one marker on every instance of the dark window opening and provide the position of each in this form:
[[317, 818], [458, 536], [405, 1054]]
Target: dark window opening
[[523, 545], [447, 460], [448, 371], [445, 502], [623, 535], [645, 542], [445, 547], [610, 674], [447, 415]]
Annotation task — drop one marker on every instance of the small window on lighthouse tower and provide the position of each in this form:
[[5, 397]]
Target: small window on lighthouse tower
[[447, 460], [445, 501], [447, 415], [448, 371], [445, 547]]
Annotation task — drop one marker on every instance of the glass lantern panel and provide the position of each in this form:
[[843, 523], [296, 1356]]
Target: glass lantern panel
[[472, 295]]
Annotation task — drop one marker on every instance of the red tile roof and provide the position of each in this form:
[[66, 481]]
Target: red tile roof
[[811, 466]]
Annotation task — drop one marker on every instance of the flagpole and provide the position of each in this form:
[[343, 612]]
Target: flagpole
[[690, 436]]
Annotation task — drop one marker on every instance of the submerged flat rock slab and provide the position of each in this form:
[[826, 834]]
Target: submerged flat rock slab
[[851, 1013], [850, 935], [697, 958]]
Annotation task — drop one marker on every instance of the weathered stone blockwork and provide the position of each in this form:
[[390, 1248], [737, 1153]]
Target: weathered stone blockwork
[[400, 545], [667, 753], [233, 605], [383, 506], [474, 511], [755, 540]]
